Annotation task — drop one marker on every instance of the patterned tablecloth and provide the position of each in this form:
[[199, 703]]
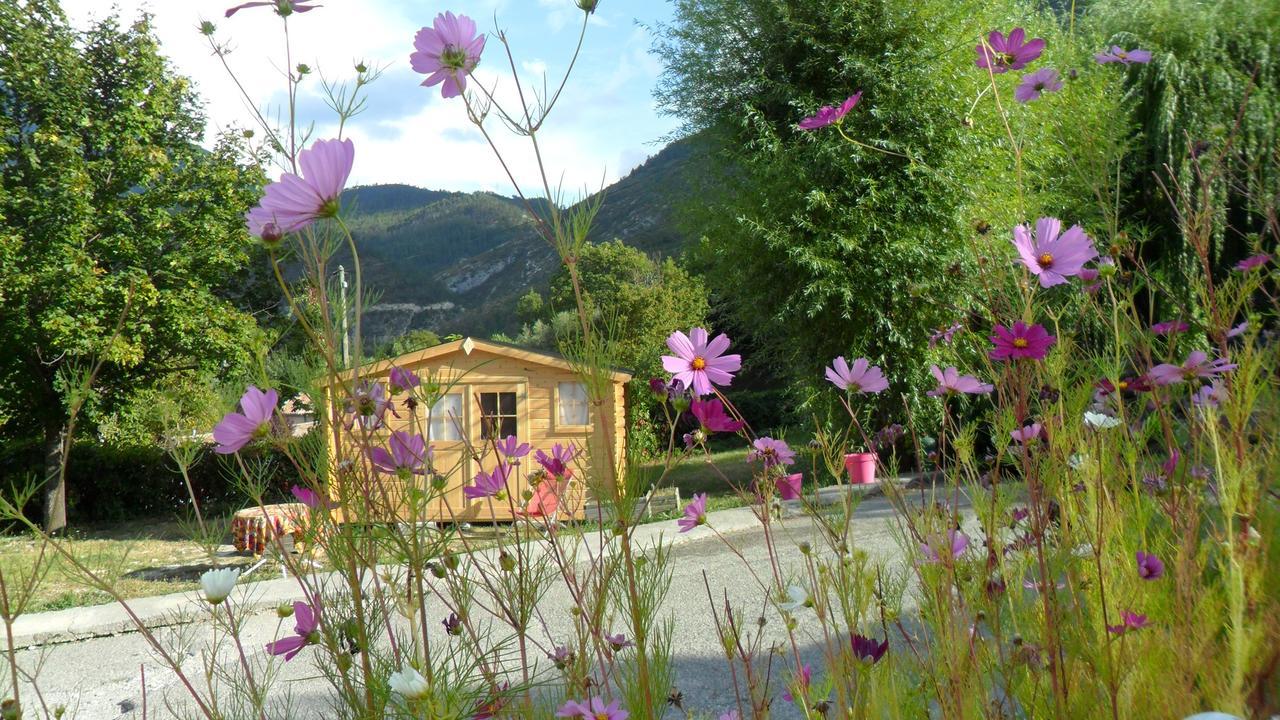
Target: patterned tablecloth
[[252, 529]]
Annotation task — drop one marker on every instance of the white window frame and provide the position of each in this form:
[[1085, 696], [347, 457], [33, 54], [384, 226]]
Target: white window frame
[[556, 406]]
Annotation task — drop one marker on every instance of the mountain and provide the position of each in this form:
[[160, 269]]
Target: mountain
[[457, 262]]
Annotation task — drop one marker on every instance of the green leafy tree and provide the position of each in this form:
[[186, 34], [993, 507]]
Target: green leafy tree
[[111, 216]]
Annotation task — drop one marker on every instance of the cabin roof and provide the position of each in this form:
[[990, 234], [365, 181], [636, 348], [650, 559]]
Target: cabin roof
[[468, 345]]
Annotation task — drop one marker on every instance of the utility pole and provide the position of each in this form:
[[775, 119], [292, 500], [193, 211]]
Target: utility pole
[[346, 343]]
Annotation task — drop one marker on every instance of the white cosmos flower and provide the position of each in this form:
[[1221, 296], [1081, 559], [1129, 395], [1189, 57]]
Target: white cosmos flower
[[1099, 421], [217, 584], [796, 599], [408, 683]]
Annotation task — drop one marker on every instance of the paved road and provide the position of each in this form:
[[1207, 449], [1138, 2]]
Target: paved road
[[100, 679]]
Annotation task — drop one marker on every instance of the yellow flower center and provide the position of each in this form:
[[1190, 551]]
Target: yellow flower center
[[1045, 260], [602, 716], [699, 363], [1020, 343], [1123, 385]]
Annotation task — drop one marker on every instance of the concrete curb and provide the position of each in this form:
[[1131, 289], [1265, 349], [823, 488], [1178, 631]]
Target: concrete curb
[[83, 623]]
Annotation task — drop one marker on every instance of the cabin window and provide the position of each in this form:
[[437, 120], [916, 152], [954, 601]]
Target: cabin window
[[572, 403], [498, 411], [446, 418]]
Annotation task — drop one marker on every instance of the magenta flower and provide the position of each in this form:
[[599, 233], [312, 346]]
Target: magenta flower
[[368, 406], [861, 377], [491, 706], [402, 380], [712, 416], [1196, 365], [511, 448], [447, 52], [257, 408], [1149, 566], [618, 642], [867, 649], [311, 498], [700, 364], [695, 513], [284, 8], [1031, 87], [1120, 55], [594, 709], [828, 115], [1253, 262], [951, 382], [772, 453], [1053, 255], [562, 656], [1009, 53], [801, 682], [295, 201], [950, 545], [452, 624], [1211, 395], [305, 632], [489, 484], [1129, 620], [1170, 327], [408, 455], [1021, 341], [789, 486], [944, 335], [557, 463], [1027, 434]]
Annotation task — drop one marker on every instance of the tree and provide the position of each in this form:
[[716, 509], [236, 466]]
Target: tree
[[111, 215]]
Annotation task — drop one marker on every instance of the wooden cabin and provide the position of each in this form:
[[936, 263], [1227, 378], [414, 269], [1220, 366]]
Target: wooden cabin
[[492, 388]]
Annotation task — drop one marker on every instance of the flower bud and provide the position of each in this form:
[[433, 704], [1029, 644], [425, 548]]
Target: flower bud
[[451, 562], [805, 547], [362, 68], [588, 6], [344, 663], [9, 710], [284, 610], [436, 570], [507, 562], [658, 387], [207, 28], [303, 69]]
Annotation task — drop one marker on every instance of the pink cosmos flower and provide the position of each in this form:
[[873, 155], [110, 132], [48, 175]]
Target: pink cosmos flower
[[594, 709], [700, 364], [557, 463], [1196, 365], [511, 448], [712, 416], [1120, 55], [950, 382], [295, 201], [1211, 395], [402, 380], [254, 421], [1009, 53], [1053, 255], [944, 335], [447, 52], [408, 455], [1129, 620], [618, 642], [950, 545], [1021, 341], [1253, 262], [1027, 434], [801, 681], [867, 649], [489, 484], [695, 513], [491, 706], [1149, 566], [789, 486], [1170, 327], [772, 453], [861, 377], [284, 8], [311, 498], [368, 406], [828, 115], [1031, 87], [305, 632], [1238, 330]]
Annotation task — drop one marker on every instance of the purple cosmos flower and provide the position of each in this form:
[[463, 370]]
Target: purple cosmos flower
[[1238, 330], [1053, 255], [295, 201], [257, 408], [951, 382], [699, 364], [712, 416], [1021, 341], [771, 452], [1009, 53], [801, 681], [402, 380], [557, 463], [368, 406], [861, 377], [1031, 87], [1120, 55], [1149, 566], [789, 486], [1089, 276], [658, 387], [1170, 327], [305, 632], [944, 335], [1211, 395], [618, 642], [889, 435], [594, 709], [284, 8], [408, 455], [828, 115], [311, 498], [452, 624], [562, 656], [867, 649], [695, 513], [952, 544], [447, 52], [1196, 365], [1253, 262], [511, 448], [1027, 434], [1019, 514], [491, 484], [1129, 620]]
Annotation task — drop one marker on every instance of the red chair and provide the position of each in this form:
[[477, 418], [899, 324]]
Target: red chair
[[545, 503]]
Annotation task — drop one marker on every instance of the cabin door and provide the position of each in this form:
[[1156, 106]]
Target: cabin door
[[499, 410], [448, 423]]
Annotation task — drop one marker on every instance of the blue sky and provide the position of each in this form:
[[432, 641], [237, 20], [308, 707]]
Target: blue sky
[[605, 124]]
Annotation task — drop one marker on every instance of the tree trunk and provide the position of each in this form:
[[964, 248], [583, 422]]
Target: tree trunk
[[55, 486]]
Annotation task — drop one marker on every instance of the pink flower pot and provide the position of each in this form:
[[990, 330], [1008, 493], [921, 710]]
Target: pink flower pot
[[861, 468]]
